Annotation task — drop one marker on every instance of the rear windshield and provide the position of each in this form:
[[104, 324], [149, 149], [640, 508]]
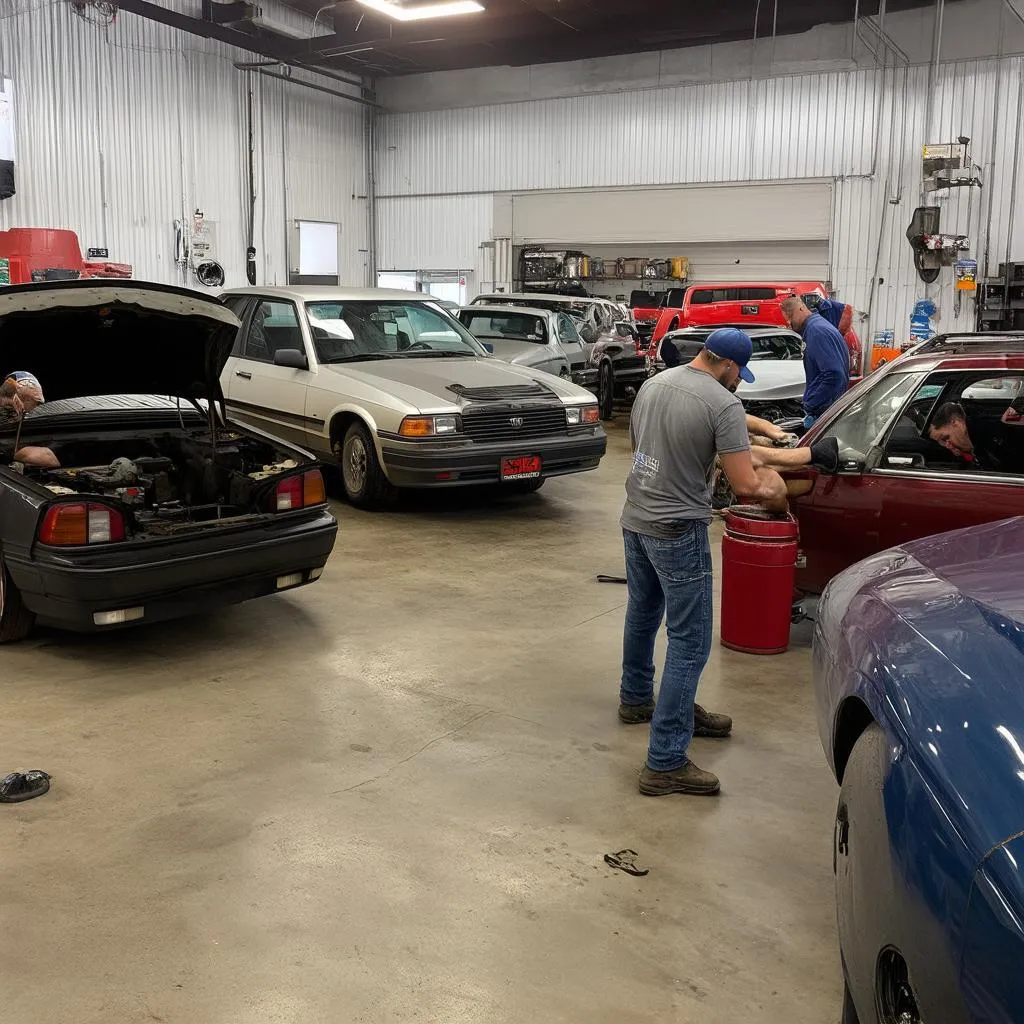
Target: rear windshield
[[645, 300], [777, 346], [492, 326], [704, 296]]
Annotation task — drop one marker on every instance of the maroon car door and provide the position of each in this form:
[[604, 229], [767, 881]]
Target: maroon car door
[[839, 525], [917, 503], [935, 492], [840, 514]]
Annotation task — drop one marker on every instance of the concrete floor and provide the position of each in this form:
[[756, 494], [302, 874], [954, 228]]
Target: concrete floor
[[386, 798]]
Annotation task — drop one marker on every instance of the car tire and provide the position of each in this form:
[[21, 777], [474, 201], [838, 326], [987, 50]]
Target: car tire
[[16, 621], [606, 389], [362, 475], [867, 894]]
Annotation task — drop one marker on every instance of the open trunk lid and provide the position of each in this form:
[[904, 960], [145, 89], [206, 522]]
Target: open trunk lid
[[84, 338]]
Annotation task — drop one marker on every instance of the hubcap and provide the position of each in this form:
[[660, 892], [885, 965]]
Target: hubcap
[[353, 466]]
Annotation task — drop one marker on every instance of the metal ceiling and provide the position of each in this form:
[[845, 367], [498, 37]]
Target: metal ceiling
[[520, 32], [355, 43]]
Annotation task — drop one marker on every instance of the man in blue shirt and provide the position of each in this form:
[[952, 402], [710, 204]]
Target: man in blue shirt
[[826, 358]]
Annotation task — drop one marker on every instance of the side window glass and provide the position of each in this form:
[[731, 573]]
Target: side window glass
[[274, 327], [567, 330]]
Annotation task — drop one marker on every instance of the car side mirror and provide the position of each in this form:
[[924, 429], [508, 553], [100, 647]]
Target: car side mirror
[[293, 358], [588, 334]]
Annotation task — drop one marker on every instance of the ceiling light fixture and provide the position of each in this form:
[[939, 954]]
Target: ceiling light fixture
[[420, 12]]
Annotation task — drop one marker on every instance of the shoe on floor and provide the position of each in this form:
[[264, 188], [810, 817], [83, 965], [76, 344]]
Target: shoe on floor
[[689, 779], [636, 714], [707, 723]]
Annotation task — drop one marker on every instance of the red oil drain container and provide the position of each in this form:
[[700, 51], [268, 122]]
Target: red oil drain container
[[759, 552]]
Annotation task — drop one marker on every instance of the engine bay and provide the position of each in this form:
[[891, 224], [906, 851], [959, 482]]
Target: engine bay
[[169, 482]]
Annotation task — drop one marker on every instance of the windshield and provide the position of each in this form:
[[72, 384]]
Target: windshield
[[858, 428], [352, 331], [490, 326], [776, 346]]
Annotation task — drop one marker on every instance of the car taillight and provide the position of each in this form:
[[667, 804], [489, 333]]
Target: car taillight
[[300, 490], [77, 524]]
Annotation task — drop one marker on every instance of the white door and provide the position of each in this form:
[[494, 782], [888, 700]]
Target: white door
[[265, 395]]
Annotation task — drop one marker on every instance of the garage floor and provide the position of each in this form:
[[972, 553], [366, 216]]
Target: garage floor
[[387, 797]]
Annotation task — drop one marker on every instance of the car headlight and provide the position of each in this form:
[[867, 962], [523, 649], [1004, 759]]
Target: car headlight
[[429, 426], [578, 415]]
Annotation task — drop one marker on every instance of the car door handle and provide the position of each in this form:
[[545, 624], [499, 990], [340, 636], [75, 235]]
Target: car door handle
[[243, 374]]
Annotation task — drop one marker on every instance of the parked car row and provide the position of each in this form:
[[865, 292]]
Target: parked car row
[[188, 432]]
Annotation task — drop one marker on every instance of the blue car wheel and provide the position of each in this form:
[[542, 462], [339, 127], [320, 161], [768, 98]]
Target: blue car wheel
[[878, 985]]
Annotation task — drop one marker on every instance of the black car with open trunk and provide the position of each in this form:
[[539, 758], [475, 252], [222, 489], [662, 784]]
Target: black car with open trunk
[[160, 506]]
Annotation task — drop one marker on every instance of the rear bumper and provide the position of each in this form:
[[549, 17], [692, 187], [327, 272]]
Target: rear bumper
[[464, 464], [173, 578]]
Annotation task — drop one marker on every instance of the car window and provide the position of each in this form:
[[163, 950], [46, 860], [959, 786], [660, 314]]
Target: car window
[[491, 326], [645, 300], [705, 296], [274, 326], [777, 346], [567, 333], [859, 427], [994, 389], [236, 303], [353, 331], [985, 435]]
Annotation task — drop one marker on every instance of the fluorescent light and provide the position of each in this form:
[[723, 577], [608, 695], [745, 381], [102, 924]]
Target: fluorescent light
[[421, 12]]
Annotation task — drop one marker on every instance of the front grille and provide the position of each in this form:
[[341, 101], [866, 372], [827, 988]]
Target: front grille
[[504, 393], [488, 426]]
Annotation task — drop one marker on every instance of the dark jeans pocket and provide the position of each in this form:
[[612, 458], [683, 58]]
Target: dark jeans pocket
[[684, 559]]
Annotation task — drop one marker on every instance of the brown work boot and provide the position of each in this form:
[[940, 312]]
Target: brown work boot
[[707, 723], [636, 714], [688, 779]]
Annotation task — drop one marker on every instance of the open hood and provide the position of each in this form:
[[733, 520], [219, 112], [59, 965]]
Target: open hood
[[83, 338]]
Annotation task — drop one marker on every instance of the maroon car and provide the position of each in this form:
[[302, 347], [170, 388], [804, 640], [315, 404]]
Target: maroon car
[[895, 482]]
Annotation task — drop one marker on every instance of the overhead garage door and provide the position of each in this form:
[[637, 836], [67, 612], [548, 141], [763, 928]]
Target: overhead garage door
[[767, 231]]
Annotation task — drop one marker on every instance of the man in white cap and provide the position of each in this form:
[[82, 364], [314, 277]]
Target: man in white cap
[[681, 420]]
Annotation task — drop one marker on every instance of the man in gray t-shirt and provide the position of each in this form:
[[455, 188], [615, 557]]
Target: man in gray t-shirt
[[681, 420]]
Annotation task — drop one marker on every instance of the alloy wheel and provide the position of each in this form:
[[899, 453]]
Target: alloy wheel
[[354, 465]]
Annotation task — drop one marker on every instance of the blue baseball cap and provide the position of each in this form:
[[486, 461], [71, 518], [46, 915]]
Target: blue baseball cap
[[732, 343]]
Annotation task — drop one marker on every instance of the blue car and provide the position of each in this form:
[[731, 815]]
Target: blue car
[[919, 680]]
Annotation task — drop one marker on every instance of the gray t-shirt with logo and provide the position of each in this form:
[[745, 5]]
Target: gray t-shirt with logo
[[681, 420]]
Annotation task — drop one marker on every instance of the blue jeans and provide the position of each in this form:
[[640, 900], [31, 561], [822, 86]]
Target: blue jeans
[[670, 578]]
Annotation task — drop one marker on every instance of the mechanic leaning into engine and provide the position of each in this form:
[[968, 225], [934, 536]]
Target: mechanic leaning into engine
[[681, 419], [20, 393], [826, 358]]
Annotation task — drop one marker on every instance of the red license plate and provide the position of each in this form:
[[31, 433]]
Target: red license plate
[[523, 467]]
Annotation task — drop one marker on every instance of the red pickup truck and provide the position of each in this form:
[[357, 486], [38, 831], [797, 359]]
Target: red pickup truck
[[646, 307], [736, 303]]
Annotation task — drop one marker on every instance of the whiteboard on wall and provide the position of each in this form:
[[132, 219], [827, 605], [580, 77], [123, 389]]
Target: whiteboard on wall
[[318, 249], [785, 211]]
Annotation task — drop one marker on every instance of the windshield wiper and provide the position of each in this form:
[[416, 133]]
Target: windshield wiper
[[362, 357], [436, 354]]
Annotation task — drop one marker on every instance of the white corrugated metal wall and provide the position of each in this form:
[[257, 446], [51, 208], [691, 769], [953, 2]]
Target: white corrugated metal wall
[[122, 130], [863, 129]]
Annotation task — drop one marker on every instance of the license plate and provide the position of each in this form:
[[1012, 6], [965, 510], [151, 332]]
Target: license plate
[[522, 467]]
